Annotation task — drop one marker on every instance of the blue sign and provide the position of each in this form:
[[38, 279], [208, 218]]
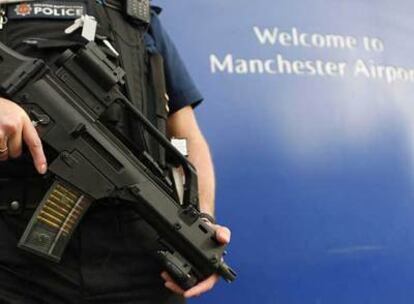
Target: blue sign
[[309, 112]]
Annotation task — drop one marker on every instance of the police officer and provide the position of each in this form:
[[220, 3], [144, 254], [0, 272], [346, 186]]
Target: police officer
[[104, 262]]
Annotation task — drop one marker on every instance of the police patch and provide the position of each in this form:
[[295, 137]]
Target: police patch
[[46, 10], [23, 9]]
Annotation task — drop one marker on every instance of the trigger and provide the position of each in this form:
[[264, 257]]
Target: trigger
[[41, 119]]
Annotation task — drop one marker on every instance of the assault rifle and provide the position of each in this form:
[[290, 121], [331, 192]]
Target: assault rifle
[[66, 100]]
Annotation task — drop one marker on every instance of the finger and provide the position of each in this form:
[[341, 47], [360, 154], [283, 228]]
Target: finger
[[173, 287], [15, 144], [202, 287], [223, 234], [31, 138], [4, 156], [166, 276], [170, 284], [4, 153], [169, 279]]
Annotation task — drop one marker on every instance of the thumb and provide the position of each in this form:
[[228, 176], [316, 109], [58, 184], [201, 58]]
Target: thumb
[[223, 234]]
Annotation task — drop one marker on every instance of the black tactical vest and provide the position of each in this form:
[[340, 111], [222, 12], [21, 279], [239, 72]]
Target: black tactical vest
[[43, 36]]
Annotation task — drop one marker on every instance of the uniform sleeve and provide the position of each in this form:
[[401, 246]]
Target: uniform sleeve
[[180, 86]]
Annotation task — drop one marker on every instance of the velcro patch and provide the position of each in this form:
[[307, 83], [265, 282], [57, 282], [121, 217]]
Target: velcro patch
[[46, 10]]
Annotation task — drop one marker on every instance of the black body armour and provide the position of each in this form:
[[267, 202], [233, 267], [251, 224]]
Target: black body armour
[[36, 29]]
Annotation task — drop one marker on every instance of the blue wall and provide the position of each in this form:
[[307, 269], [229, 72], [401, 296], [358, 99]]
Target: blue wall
[[314, 171]]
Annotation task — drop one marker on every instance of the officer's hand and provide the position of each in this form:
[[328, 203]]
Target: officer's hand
[[15, 126], [223, 236]]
